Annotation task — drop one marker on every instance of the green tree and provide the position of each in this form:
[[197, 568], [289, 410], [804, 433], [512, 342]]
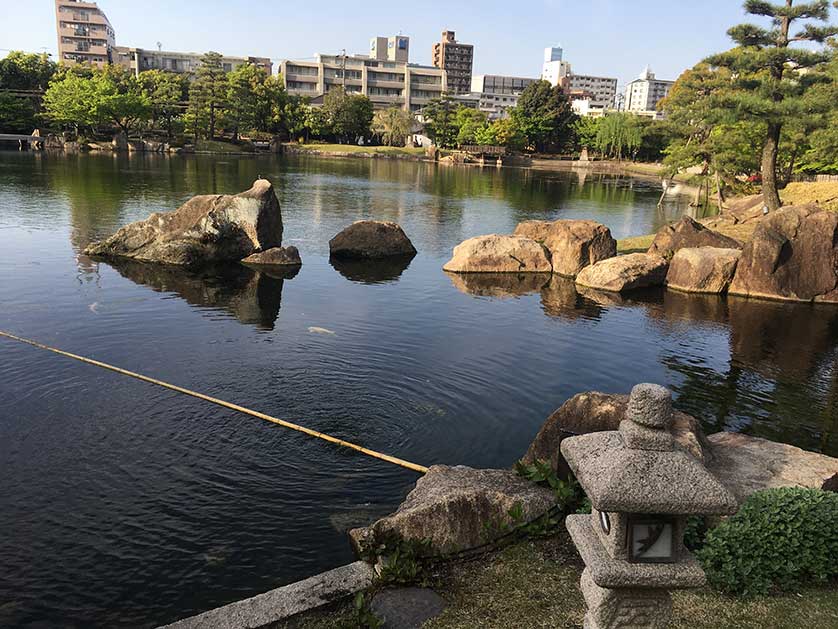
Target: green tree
[[439, 118], [26, 71], [393, 125], [71, 101], [246, 96], [166, 91], [772, 78], [315, 122], [470, 123], [544, 117], [207, 95], [292, 118], [349, 116], [272, 110], [585, 131], [619, 134]]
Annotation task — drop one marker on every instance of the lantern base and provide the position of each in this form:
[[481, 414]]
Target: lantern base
[[638, 608]]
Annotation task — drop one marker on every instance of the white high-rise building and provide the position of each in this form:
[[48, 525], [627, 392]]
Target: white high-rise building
[[599, 90], [645, 92], [553, 53]]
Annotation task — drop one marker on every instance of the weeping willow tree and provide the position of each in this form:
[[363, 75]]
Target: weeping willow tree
[[619, 134]]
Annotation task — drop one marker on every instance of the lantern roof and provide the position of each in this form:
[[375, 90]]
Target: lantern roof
[[638, 469]]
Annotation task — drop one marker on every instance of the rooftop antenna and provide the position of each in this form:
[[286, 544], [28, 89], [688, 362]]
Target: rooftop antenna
[[159, 46]]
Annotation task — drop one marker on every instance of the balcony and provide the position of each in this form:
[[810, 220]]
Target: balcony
[[302, 78]]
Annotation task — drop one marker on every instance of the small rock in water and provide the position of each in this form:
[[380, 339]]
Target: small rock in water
[[94, 307], [316, 330]]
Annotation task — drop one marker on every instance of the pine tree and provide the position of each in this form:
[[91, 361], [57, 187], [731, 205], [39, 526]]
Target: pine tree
[[772, 78], [207, 94]]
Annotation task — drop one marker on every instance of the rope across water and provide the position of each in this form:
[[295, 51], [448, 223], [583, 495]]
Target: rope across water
[[235, 407]]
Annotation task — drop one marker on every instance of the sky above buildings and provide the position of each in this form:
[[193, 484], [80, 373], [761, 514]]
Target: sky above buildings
[[603, 37]]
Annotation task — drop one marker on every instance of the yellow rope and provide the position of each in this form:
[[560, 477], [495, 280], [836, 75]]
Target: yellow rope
[[241, 409]]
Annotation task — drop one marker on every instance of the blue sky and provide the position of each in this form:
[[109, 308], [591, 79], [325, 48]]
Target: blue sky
[[605, 37]]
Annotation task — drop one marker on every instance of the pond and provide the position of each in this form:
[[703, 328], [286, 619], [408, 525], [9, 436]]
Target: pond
[[127, 505]]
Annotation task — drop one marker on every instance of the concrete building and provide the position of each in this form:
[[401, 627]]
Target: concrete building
[[85, 34], [498, 85], [645, 92], [387, 83], [554, 68], [141, 59], [395, 48], [457, 60]]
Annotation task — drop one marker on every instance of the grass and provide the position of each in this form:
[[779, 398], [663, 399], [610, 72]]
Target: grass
[[536, 584], [825, 193], [354, 148], [219, 146]]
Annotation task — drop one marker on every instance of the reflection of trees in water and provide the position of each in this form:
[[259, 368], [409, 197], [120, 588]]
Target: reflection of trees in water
[[252, 297], [781, 381]]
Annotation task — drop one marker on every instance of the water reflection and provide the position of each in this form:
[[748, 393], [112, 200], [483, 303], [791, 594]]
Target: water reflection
[[252, 297], [380, 271], [499, 285]]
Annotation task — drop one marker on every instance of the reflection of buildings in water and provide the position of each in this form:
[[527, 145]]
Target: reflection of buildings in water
[[380, 271], [252, 297]]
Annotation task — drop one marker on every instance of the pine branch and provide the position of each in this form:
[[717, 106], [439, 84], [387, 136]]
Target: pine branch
[[759, 7], [751, 35], [816, 33]]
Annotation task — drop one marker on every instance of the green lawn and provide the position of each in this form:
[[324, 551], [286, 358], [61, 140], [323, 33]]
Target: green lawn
[[354, 148], [536, 584]]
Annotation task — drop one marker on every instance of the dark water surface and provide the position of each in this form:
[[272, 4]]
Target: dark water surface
[[122, 504]]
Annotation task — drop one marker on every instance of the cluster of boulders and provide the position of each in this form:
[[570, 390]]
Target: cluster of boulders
[[563, 247], [792, 255], [247, 228], [455, 507]]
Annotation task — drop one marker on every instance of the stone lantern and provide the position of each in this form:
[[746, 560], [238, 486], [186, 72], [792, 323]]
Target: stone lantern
[[642, 488]]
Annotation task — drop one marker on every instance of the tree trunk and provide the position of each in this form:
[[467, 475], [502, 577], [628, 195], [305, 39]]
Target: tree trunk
[[770, 195], [719, 195]]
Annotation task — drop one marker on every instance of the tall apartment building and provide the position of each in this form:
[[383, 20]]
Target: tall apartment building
[[457, 60], [394, 48], [387, 83], [499, 84], [84, 33], [603, 89], [140, 59], [645, 92], [554, 68]]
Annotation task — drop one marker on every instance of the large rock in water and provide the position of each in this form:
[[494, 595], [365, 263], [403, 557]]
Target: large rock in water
[[593, 411], [688, 233], [371, 239], [207, 228], [624, 273], [499, 254], [702, 270], [454, 507], [572, 244], [747, 464], [793, 256]]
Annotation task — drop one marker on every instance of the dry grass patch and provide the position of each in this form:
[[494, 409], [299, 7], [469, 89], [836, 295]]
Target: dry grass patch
[[824, 193]]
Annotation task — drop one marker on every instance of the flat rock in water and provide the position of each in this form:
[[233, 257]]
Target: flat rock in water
[[624, 273], [573, 244], [688, 234], [452, 507], [275, 256], [702, 270], [406, 608], [746, 464], [371, 239], [205, 229], [499, 254], [793, 256]]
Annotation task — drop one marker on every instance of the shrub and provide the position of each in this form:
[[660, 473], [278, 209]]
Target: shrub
[[779, 539]]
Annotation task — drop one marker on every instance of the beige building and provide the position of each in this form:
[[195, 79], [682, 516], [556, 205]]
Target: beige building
[[140, 59], [645, 92], [457, 60], [85, 34], [395, 48], [386, 83]]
